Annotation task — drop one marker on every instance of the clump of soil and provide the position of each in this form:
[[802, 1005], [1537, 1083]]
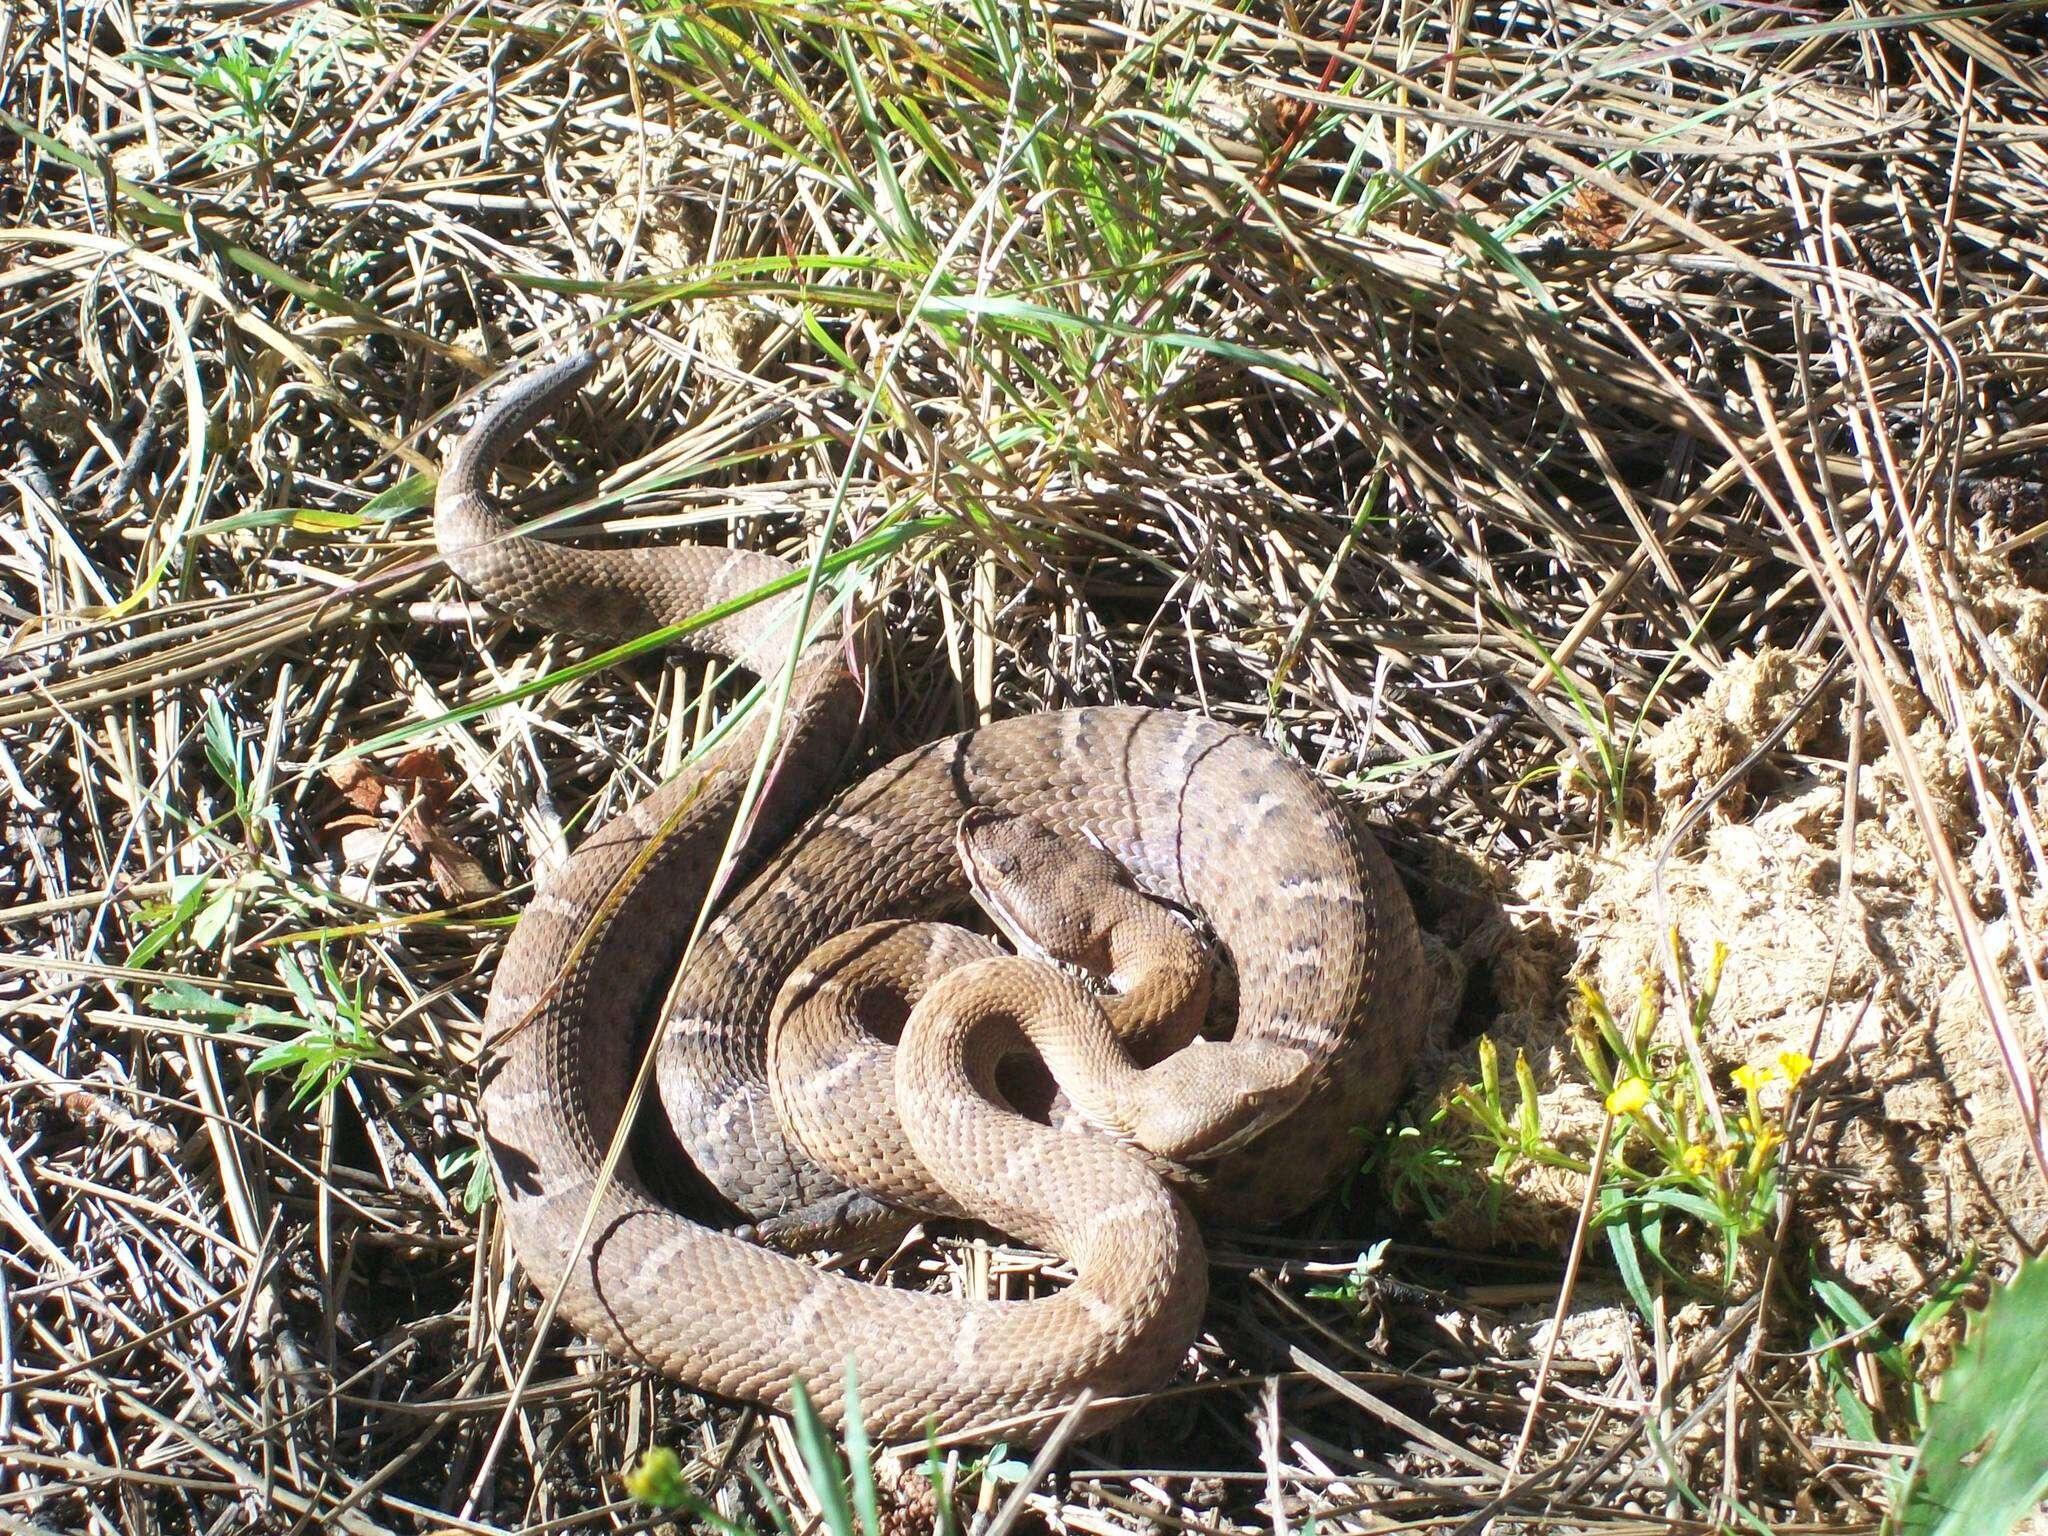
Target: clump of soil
[[1919, 1147]]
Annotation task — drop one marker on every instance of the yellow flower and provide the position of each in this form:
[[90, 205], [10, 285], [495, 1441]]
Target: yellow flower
[[1795, 1065], [1630, 1095], [1725, 1158], [1767, 1142], [658, 1480], [1696, 1158], [1751, 1076]]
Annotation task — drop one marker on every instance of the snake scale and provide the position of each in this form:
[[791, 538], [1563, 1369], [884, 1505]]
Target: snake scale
[[1304, 904]]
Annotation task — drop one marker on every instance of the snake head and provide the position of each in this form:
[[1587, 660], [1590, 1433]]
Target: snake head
[[1212, 1096], [1043, 892]]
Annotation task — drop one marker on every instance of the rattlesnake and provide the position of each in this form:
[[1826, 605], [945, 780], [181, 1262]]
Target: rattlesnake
[[1203, 816]]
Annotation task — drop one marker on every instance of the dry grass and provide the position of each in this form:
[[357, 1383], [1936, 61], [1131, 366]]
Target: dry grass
[[1353, 374]]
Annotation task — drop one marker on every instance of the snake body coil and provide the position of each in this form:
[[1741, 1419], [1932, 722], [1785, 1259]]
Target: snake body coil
[[1305, 904]]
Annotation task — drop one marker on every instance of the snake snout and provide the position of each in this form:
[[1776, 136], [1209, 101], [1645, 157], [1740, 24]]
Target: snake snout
[[1212, 1096]]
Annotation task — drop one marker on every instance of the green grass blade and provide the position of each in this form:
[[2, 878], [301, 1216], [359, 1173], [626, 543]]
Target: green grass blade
[[828, 1474], [866, 1499]]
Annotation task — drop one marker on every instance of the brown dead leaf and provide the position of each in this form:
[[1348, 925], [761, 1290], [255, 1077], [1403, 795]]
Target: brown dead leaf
[[415, 789], [1595, 217]]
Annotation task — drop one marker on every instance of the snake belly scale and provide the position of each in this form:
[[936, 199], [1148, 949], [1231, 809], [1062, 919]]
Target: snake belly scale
[[1304, 903]]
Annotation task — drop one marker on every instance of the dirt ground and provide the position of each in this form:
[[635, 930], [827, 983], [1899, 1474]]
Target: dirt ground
[[1917, 1147]]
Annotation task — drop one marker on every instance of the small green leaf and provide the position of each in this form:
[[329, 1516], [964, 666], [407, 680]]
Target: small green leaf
[[1683, 1200], [187, 1000], [1843, 1303], [188, 894], [300, 988], [470, 1164], [1937, 1306], [211, 921], [223, 751], [1857, 1418], [281, 1057], [1627, 1257], [481, 1188]]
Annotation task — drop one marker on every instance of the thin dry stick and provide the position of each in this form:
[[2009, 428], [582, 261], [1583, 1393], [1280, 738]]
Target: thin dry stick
[[1565, 1291], [1055, 1443]]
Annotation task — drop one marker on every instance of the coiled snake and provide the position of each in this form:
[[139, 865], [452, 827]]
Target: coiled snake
[[1304, 904]]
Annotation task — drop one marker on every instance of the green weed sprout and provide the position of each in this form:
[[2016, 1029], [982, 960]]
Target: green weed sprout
[[843, 1477], [1676, 1153], [1685, 1154]]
